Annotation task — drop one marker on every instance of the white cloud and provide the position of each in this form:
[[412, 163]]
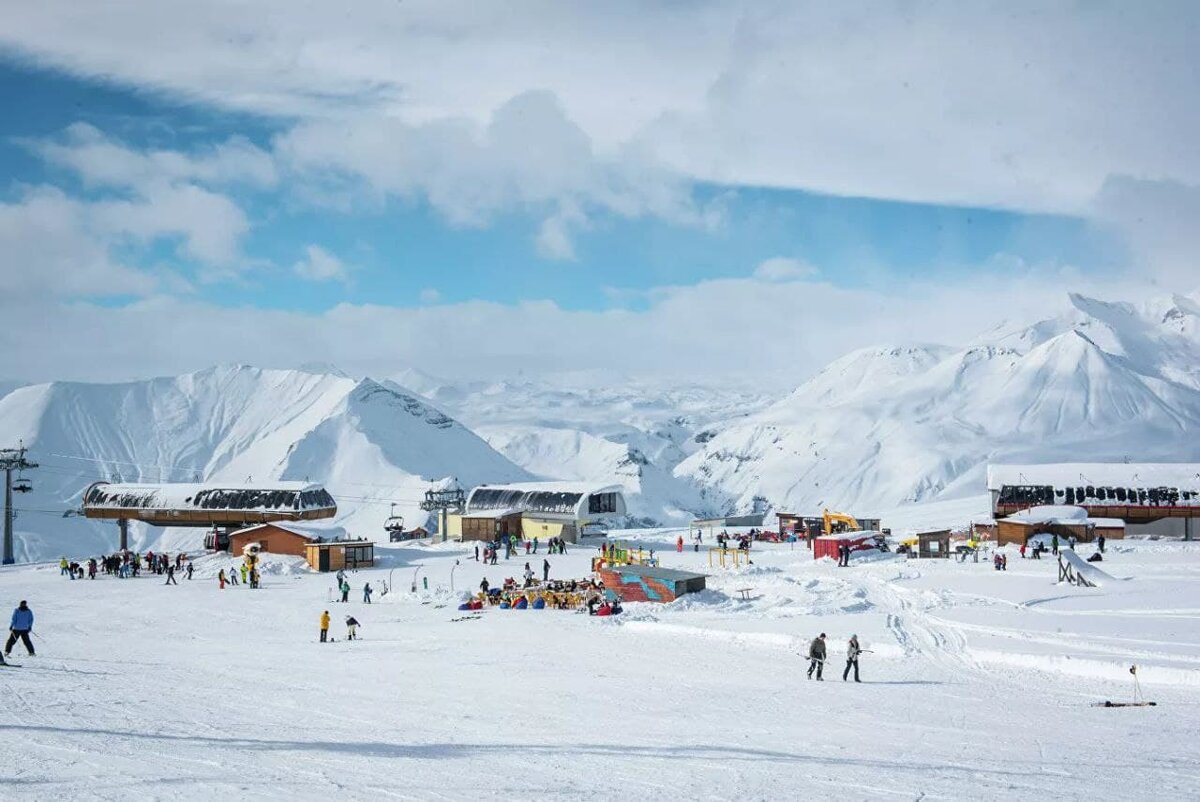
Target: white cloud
[[980, 103], [430, 296], [782, 268], [319, 264]]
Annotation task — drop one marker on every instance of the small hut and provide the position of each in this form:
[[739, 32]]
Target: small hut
[[339, 554], [933, 544]]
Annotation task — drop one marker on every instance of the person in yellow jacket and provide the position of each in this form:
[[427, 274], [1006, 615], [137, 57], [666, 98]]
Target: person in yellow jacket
[[324, 626], [62, 567]]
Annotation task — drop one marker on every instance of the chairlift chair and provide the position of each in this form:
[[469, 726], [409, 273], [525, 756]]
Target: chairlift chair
[[22, 485]]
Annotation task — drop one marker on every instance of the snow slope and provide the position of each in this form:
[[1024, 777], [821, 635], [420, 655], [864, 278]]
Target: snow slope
[[977, 685], [370, 444], [885, 427]]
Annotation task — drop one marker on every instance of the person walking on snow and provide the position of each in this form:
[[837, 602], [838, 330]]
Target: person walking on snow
[[1100, 542], [233, 576], [324, 626], [189, 569], [545, 570], [679, 544], [852, 653], [367, 593], [19, 627], [816, 656], [245, 569], [170, 576], [351, 628], [1054, 545], [345, 591], [221, 578], [528, 575]]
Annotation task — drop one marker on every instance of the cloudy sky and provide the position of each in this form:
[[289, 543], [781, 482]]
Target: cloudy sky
[[658, 188]]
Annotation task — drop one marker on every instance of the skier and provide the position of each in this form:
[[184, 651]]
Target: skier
[[545, 570], [19, 627], [351, 628], [816, 654], [345, 591], [852, 653], [367, 593], [221, 578], [189, 569], [170, 576], [324, 626]]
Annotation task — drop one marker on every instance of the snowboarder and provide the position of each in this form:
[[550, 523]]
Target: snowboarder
[[351, 628], [19, 627], [324, 626], [545, 570], [170, 576], [852, 653], [367, 593], [816, 656]]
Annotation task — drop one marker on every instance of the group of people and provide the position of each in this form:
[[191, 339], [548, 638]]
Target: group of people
[[491, 551], [743, 541], [817, 655], [128, 565], [844, 554], [249, 571], [352, 626]]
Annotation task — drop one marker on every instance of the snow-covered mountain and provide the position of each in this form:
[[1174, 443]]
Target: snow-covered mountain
[[371, 444], [888, 426]]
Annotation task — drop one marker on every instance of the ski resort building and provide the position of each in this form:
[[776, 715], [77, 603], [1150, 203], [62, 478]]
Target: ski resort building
[[1150, 498], [1066, 522], [283, 538], [220, 507], [536, 509]]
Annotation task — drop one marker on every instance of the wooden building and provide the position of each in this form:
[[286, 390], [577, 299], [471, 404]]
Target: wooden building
[[340, 554], [274, 538], [1066, 522], [486, 525], [933, 544], [646, 583]]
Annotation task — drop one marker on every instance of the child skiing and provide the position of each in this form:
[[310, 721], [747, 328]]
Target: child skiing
[[324, 626]]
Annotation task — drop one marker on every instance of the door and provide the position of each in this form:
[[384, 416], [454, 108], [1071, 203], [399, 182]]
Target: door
[[322, 559]]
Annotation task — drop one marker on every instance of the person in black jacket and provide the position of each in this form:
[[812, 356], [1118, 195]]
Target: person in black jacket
[[816, 656]]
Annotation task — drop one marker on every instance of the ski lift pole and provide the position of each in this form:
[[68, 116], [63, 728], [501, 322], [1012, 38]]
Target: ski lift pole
[[452, 568]]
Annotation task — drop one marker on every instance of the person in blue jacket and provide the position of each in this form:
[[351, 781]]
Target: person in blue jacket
[[19, 627]]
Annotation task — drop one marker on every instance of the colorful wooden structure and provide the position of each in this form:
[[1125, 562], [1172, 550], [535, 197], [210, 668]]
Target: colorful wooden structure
[[648, 583]]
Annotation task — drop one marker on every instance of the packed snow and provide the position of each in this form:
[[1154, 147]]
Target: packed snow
[[976, 683]]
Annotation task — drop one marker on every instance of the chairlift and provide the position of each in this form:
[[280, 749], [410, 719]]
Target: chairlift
[[20, 485], [394, 526]]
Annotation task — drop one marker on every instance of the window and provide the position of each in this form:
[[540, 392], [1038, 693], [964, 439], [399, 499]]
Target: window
[[599, 503]]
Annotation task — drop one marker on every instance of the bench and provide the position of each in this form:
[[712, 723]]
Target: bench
[[745, 593]]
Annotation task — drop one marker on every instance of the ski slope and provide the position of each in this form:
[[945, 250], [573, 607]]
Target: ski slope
[[978, 684]]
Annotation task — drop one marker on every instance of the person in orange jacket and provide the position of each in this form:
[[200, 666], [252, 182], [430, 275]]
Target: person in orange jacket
[[324, 626]]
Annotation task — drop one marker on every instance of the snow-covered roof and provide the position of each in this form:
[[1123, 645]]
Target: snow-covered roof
[[1181, 475], [547, 498], [208, 496], [858, 534], [496, 513], [1061, 515]]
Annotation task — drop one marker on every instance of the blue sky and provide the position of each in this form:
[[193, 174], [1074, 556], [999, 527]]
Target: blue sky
[[406, 161]]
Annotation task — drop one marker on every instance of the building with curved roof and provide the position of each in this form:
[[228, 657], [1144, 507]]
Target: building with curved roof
[[208, 504], [536, 509]]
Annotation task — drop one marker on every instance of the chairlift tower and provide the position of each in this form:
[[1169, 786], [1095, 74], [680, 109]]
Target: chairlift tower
[[13, 459], [443, 501]]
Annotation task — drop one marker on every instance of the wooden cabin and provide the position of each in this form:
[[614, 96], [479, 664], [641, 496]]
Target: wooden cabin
[[340, 554], [274, 538]]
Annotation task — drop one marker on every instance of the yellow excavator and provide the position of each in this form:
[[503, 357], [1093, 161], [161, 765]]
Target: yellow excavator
[[835, 522]]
